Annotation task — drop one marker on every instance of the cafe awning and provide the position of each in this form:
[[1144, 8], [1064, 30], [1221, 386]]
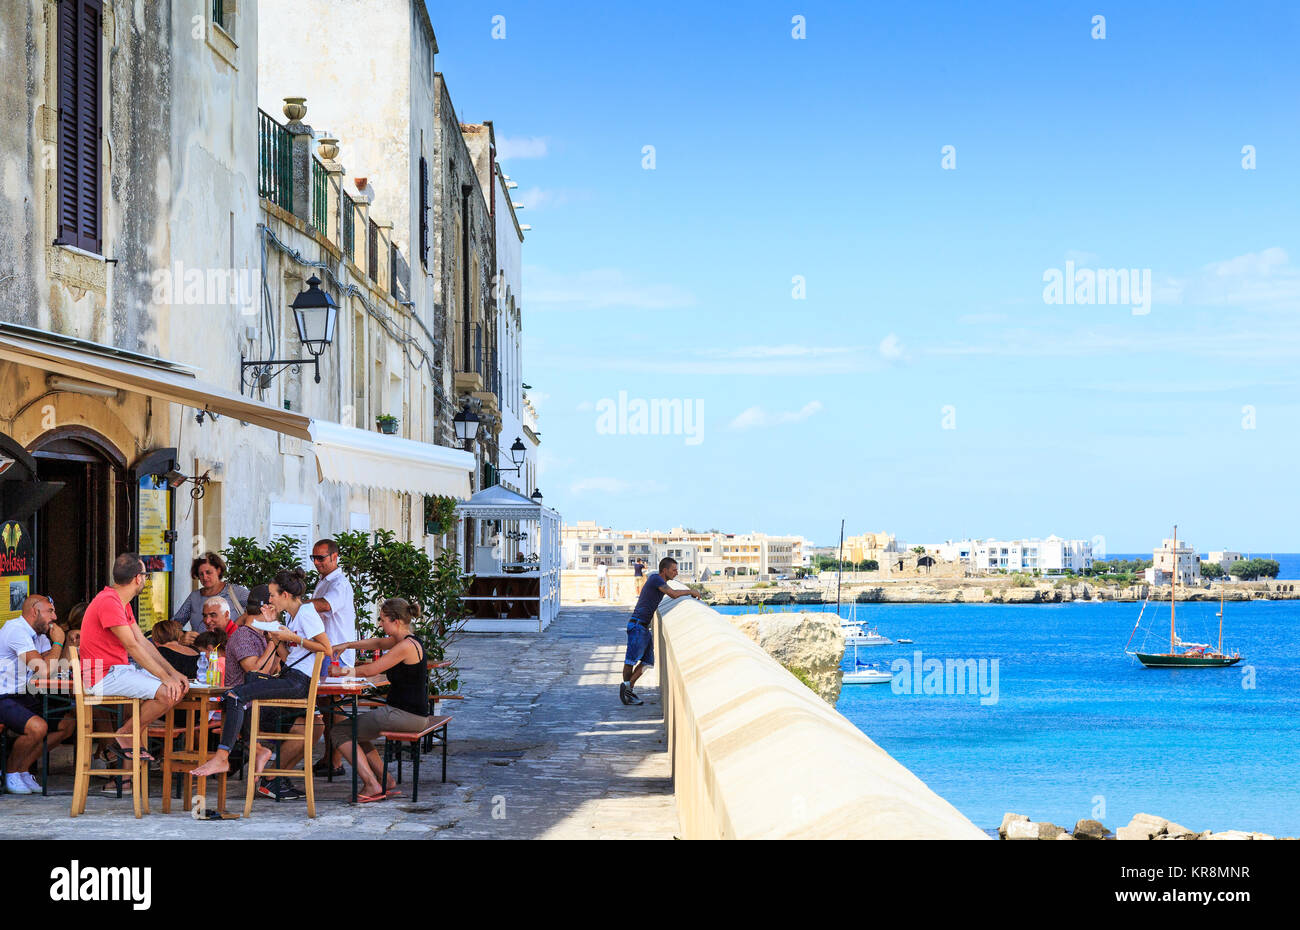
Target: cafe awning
[[360, 457], [140, 374], [343, 453]]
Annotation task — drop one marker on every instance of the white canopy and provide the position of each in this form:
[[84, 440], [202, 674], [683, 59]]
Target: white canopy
[[360, 457], [500, 503]]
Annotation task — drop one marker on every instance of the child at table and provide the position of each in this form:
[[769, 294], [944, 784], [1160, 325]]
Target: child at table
[[408, 693], [213, 643]]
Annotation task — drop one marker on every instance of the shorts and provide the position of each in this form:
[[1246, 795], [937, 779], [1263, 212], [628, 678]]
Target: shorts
[[371, 724], [17, 709], [126, 681], [640, 644]]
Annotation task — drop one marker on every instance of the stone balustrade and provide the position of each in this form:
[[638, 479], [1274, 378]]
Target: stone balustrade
[[757, 755]]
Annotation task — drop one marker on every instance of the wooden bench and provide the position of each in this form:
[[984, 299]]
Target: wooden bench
[[395, 744]]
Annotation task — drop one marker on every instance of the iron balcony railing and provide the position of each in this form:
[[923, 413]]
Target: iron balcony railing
[[372, 256], [274, 162], [320, 196], [347, 214]]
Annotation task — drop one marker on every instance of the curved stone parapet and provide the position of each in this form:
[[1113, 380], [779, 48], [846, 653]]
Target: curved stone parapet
[[756, 755]]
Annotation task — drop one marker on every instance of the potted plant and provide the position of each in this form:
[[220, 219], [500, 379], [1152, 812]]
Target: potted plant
[[439, 514], [387, 423]]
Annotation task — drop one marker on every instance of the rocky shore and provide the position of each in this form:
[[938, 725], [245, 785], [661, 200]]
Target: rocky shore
[[994, 590], [1141, 827], [809, 645]]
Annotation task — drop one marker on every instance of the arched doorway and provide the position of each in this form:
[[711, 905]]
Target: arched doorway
[[81, 528]]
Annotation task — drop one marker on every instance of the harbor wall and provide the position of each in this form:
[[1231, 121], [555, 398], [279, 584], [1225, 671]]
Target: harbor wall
[[757, 755]]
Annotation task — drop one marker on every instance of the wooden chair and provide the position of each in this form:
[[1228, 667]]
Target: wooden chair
[[308, 706], [194, 730], [86, 734]]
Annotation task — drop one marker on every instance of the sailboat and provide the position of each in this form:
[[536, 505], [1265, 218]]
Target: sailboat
[[865, 673], [1183, 654]]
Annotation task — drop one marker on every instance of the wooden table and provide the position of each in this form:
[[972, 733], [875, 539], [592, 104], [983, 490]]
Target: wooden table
[[193, 710]]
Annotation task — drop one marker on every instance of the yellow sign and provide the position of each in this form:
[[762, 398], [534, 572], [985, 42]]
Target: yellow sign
[[13, 591], [155, 518], [155, 597]]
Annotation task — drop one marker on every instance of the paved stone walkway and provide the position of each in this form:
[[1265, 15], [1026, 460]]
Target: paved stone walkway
[[540, 748]]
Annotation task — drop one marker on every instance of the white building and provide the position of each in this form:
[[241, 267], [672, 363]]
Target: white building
[[1166, 557], [1224, 558], [1052, 554]]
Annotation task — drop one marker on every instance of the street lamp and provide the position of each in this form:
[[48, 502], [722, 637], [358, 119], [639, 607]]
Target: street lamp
[[466, 425], [316, 315], [517, 453], [537, 495]]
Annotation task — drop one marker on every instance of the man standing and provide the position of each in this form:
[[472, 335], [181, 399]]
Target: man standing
[[638, 571], [602, 572], [109, 635], [640, 640], [333, 600], [27, 645]]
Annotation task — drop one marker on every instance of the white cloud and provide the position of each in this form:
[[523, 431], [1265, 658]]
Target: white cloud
[[521, 147], [1256, 280], [782, 351], [757, 417], [891, 347], [599, 289]]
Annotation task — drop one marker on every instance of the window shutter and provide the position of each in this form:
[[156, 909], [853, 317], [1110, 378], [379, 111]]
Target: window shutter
[[424, 210], [80, 29], [88, 128]]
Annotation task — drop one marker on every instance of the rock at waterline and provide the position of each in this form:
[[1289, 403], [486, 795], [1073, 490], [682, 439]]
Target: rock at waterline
[[1090, 830], [1022, 830], [1007, 819]]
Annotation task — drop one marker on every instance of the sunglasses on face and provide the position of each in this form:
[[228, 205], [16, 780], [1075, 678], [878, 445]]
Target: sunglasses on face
[[319, 558]]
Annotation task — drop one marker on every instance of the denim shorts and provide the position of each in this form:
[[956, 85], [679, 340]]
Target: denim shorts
[[640, 644]]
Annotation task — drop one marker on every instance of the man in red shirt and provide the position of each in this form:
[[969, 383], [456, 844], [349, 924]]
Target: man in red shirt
[[216, 615], [109, 634]]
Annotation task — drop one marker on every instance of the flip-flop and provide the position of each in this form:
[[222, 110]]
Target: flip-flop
[[128, 753], [368, 798], [394, 792]]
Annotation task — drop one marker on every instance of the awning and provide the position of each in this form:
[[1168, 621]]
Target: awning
[[343, 453], [497, 502], [141, 375], [360, 457]]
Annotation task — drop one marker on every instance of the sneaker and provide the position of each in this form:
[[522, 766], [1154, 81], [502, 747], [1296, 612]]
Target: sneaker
[[322, 768], [285, 791], [14, 784], [632, 698], [623, 693], [267, 788], [30, 780]]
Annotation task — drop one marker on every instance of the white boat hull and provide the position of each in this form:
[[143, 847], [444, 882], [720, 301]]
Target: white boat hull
[[867, 678]]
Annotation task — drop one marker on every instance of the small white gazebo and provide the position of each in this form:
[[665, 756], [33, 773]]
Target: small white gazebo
[[512, 597]]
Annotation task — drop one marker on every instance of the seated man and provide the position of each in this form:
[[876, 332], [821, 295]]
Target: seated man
[[109, 635], [28, 645], [216, 615]]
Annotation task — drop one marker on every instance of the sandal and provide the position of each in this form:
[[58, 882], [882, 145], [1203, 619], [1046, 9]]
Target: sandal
[[368, 798], [126, 754]]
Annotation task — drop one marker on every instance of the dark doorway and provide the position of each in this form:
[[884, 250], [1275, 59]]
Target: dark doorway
[[80, 529]]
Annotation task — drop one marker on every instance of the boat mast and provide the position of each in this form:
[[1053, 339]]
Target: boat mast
[[1221, 590], [840, 565], [1173, 593]]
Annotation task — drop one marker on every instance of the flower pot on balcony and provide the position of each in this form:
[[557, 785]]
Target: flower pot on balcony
[[387, 424]]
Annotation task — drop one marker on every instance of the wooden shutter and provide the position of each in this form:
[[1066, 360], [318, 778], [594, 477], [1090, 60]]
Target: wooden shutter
[[80, 31], [424, 210]]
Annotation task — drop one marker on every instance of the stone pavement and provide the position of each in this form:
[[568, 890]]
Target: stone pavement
[[540, 748]]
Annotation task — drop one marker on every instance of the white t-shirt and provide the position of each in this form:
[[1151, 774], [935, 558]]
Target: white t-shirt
[[601, 571], [16, 640], [307, 624], [341, 619]]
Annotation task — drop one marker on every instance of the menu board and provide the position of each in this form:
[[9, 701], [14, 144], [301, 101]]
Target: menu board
[[15, 569], [155, 522]]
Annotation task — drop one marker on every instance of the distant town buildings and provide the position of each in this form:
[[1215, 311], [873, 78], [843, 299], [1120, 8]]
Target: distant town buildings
[[984, 556], [1224, 558], [585, 544]]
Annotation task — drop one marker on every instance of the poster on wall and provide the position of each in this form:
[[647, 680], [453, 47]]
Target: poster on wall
[[16, 566], [154, 515]]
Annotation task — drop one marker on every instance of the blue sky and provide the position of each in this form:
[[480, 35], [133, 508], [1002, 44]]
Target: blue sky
[[923, 385]]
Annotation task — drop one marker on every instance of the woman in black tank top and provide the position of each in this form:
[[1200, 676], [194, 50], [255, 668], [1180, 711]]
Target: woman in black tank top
[[407, 710]]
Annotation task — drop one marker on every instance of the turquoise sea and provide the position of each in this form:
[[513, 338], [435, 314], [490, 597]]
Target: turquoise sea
[[1080, 729]]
